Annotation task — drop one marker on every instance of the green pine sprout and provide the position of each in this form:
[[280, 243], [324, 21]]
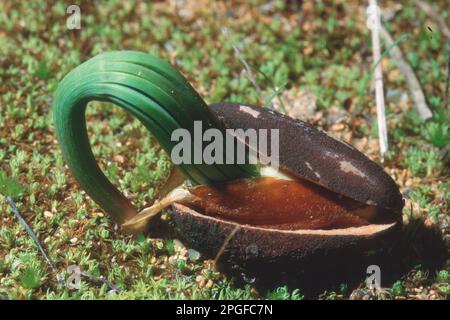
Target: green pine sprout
[[154, 92]]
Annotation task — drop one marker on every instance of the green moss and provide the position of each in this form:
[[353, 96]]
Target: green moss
[[328, 55]]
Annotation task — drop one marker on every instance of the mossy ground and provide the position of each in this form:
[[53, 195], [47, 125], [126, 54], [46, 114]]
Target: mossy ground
[[315, 59]]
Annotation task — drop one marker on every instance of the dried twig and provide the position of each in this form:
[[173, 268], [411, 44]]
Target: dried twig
[[33, 236], [411, 79], [428, 9], [138, 223], [248, 70], [375, 24], [99, 281], [87, 277], [225, 244], [447, 80]]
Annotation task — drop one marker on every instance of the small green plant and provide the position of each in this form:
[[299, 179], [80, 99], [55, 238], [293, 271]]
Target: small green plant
[[282, 293], [398, 289], [43, 71], [9, 186], [31, 277], [422, 162], [343, 288], [437, 134], [442, 276], [181, 265], [7, 238], [169, 247], [143, 243]]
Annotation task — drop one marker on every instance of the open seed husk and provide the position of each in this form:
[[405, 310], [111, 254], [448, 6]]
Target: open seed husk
[[309, 154]]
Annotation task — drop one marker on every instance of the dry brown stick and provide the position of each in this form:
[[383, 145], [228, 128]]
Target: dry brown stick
[[411, 80], [33, 237], [225, 244], [248, 70], [428, 9], [447, 80], [374, 25], [99, 281]]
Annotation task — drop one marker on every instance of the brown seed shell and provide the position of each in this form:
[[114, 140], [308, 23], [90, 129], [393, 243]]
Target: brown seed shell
[[309, 153], [272, 254]]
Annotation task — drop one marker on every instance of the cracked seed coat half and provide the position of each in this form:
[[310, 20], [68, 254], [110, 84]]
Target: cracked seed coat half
[[309, 153]]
